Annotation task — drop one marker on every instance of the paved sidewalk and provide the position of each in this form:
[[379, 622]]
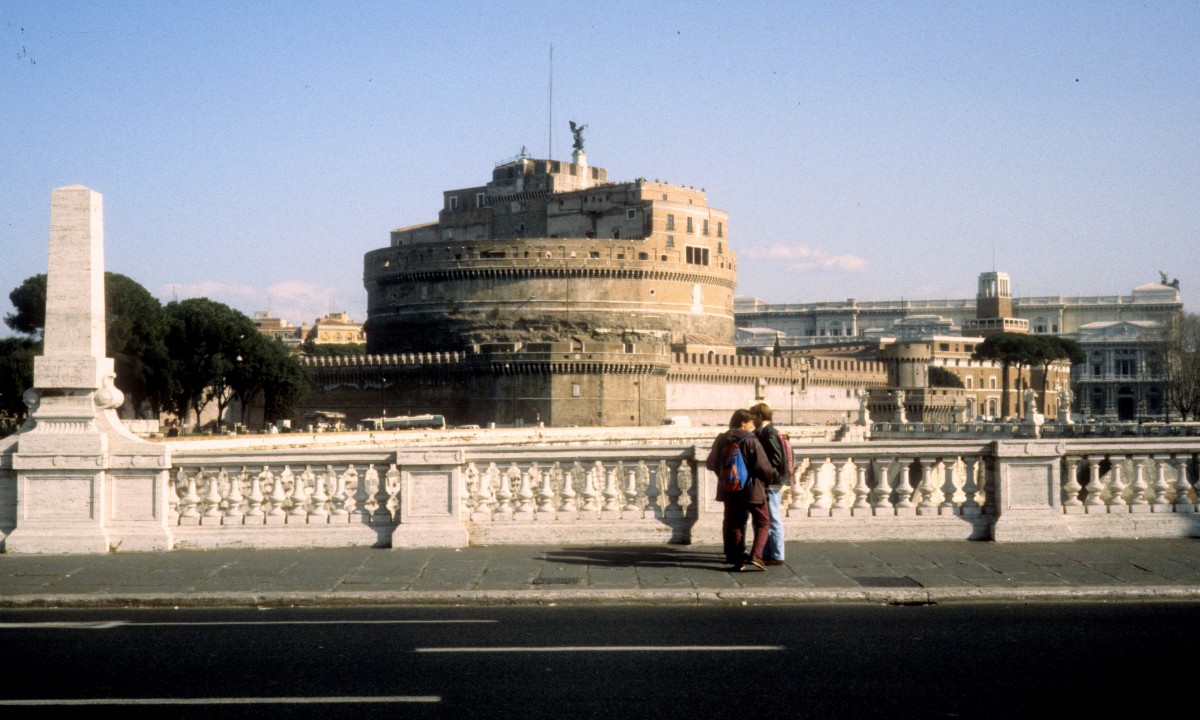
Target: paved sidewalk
[[875, 572]]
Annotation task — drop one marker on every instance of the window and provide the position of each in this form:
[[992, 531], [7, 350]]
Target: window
[[704, 227], [631, 214], [944, 347], [480, 199], [720, 230], [696, 255], [594, 255], [453, 203], [670, 242], [1126, 367], [670, 222], [690, 227], [575, 390], [970, 382], [992, 383]]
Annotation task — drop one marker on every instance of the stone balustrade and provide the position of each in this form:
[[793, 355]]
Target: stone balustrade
[[617, 485]]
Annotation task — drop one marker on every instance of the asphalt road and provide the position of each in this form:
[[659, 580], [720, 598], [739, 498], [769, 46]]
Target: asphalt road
[[940, 661]]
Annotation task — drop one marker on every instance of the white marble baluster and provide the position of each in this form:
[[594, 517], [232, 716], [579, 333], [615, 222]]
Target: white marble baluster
[[1116, 487], [359, 498], [470, 489], [212, 496], [529, 480], [485, 494], [319, 513], [393, 487], [1182, 503], [1137, 496], [189, 514], [175, 484], [611, 493], [801, 498], [590, 492], [951, 501], [824, 477], [904, 489], [1094, 503], [546, 493], [254, 501], [233, 502], [571, 477], [881, 496], [842, 488], [674, 509], [299, 496], [1160, 503], [686, 482], [340, 499], [970, 488], [278, 497], [504, 493], [631, 491], [655, 481], [862, 491], [376, 486], [926, 488], [1071, 487]]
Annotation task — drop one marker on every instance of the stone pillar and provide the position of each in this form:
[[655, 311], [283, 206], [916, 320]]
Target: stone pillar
[[1028, 492], [710, 514], [84, 483], [430, 499]]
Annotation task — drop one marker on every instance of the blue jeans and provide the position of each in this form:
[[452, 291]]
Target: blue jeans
[[774, 548]]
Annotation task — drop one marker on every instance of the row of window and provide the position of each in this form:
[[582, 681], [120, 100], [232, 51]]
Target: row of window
[[691, 227]]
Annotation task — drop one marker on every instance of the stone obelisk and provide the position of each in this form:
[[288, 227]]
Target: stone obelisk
[[83, 482]]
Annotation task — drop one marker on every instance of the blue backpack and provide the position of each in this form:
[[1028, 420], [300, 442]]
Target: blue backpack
[[733, 474]]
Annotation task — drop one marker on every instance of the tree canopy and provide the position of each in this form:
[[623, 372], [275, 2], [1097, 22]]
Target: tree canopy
[[1181, 352], [181, 357]]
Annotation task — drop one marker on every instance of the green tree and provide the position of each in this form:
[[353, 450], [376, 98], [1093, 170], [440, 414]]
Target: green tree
[[29, 300], [1181, 353], [16, 376], [135, 330], [333, 349], [286, 386], [1045, 350], [1011, 350], [269, 370], [205, 341], [943, 378]]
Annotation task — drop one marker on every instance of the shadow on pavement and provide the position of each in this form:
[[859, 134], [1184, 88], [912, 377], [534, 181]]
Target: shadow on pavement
[[640, 556]]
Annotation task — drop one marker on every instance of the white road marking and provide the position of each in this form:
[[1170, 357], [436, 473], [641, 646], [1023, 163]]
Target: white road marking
[[111, 624], [606, 648], [51, 702]]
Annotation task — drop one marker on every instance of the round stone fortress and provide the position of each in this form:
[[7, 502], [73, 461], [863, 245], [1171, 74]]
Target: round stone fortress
[[552, 251]]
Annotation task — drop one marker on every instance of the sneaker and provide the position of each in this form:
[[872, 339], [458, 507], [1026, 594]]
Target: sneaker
[[772, 562], [752, 565]]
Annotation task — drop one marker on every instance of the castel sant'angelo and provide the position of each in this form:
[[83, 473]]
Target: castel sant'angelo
[[553, 295]]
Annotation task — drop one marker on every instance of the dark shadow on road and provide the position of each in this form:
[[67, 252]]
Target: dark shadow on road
[[640, 556]]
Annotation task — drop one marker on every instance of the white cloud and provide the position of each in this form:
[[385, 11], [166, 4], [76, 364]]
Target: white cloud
[[294, 300], [804, 258]]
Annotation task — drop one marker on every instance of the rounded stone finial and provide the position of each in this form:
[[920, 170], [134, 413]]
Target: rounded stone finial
[[109, 397]]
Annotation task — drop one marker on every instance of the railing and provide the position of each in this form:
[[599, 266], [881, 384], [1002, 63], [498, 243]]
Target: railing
[[623, 485]]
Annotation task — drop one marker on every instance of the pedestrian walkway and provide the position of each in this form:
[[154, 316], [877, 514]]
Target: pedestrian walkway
[[874, 572]]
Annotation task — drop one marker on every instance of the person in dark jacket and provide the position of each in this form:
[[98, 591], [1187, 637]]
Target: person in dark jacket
[[749, 502], [768, 436]]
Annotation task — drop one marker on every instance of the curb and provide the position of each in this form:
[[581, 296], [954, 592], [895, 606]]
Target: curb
[[486, 598]]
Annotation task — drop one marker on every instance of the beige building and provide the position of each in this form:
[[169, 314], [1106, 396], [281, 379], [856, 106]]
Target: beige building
[[334, 329]]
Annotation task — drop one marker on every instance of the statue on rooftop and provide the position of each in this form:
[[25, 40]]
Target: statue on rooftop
[[577, 131]]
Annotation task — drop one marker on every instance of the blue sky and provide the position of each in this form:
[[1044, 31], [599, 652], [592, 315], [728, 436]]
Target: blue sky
[[253, 152]]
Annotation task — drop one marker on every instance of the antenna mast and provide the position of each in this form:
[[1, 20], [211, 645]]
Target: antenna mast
[[550, 109]]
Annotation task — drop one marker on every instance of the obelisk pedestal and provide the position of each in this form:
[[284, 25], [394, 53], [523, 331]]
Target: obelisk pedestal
[[84, 483]]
